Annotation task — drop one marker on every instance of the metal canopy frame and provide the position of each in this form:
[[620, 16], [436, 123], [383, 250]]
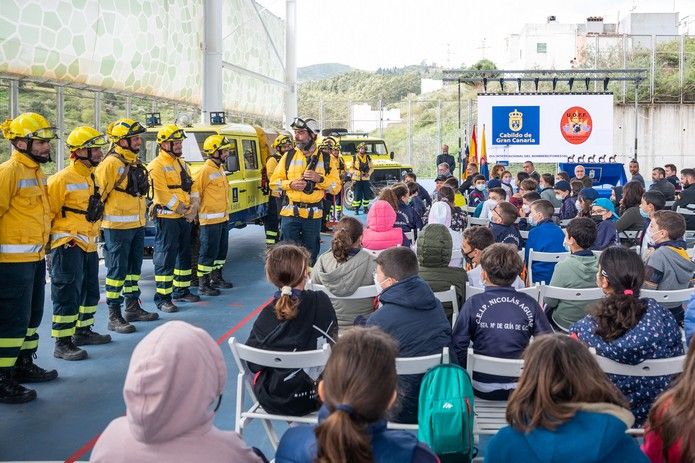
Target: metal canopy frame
[[569, 76]]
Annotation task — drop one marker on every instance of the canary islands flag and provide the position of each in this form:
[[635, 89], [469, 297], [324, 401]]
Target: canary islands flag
[[483, 156]]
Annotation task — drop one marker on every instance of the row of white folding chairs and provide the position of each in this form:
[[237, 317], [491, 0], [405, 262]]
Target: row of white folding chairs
[[491, 415], [541, 291], [243, 355]]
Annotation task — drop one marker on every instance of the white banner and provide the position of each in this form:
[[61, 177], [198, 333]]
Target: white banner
[[545, 128]]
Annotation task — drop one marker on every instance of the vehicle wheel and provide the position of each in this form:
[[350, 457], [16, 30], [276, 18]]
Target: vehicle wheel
[[348, 196]]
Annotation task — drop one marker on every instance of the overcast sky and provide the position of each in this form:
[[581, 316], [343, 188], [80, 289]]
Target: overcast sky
[[368, 34]]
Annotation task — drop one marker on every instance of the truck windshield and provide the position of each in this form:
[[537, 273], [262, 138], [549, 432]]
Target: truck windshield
[[372, 147]]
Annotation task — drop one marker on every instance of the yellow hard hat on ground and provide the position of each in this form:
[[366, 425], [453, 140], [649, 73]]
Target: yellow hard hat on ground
[[123, 128], [85, 137], [214, 143], [170, 132], [28, 125]]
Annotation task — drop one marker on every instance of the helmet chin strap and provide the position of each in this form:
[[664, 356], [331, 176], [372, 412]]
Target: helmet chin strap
[[89, 158], [171, 151], [27, 152], [130, 146]]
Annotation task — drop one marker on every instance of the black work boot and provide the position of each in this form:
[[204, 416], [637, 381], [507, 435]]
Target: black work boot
[[26, 371], [205, 289], [85, 336], [216, 280], [11, 392], [167, 306], [116, 321], [66, 350], [188, 297], [135, 313]]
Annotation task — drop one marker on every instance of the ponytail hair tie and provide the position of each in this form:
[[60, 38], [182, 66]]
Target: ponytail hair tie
[[344, 408], [628, 292], [286, 291]]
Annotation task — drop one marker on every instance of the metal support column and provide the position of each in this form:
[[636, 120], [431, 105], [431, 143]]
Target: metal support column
[[636, 114], [97, 109], [60, 126], [14, 98], [321, 119], [381, 118], [458, 102], [410, 131], [439, 125], [290, 61], [681, 65], [212, 97], [128, 106], [652, 73]]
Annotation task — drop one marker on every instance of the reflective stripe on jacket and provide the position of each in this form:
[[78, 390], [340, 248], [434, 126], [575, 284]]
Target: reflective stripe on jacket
[[122, 211], [25, 213], [165, 176], [213, 186], [72, 187]]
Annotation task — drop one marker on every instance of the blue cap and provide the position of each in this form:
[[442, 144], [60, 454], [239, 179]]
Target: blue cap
[[588, 194], [562, 185], [605, 203]]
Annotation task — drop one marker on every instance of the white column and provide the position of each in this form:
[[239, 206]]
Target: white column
[[212, 97], [290, 61]]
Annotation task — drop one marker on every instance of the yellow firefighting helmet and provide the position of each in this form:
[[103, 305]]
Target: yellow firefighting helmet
[[329, 143], [170, 132], [28, 125], [123, 128], [85, 137], [215, 143], [281, 140]]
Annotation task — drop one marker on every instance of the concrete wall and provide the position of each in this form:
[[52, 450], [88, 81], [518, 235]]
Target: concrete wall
[[666, 135]]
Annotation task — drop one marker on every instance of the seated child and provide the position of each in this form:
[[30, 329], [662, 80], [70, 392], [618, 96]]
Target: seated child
[[381, 232], [475, 241], [502, 224], [498, 322]]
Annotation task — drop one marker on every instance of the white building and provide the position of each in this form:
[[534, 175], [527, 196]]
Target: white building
[[542, 46]]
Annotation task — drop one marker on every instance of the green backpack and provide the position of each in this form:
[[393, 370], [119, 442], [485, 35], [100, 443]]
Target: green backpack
[[445, 415]]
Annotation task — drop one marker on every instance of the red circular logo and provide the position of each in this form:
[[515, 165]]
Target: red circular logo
[[576, 125]]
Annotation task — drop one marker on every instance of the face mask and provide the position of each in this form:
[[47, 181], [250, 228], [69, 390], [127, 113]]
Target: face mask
[[567, 246], [532, 221], [526, 208], [379, 288], [480, 187], [559, 197], [507, 181], [577, 205], [597, 218], [643, 214]]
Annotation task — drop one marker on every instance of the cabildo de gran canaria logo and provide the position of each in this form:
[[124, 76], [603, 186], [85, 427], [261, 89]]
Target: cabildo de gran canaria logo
[[516, 125], [516, 120]]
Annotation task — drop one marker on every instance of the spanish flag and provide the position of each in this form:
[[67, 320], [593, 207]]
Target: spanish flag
[[483, 169], [472, 150]]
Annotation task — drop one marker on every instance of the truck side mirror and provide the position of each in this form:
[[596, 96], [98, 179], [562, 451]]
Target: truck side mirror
[[392, 155]]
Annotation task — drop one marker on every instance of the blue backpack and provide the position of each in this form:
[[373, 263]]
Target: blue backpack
[[445, 414]]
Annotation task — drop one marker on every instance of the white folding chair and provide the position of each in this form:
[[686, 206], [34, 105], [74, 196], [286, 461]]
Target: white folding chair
[[472, 291], [685, 210], [477, 221], [417, 366], [691, 252], [449, 296], [469, 209], [244, 354], [628, 234], [597, 253], [569, 294], [557, 210], [524, 235], [668, 296], [374, 253], [653, 367], [490, 414], [564, 223], [535, 256], [410, 235], [363, 292]]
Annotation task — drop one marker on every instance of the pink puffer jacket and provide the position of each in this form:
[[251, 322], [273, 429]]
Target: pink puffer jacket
[[380, 233]]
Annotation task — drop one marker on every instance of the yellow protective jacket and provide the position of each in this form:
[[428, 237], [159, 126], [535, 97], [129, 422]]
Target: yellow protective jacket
[[25, 213], [214, 193], [270, 166], [71, 188], [165, 177], [122, 211], [298, 203], [360, 160]]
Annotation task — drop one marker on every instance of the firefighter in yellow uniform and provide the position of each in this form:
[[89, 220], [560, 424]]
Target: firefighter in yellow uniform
[[25, 224], [76, 210], [361, 171], [333, 210], [271, 222], [305, 175], [214, 213], [175, 207], [122, 178]]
